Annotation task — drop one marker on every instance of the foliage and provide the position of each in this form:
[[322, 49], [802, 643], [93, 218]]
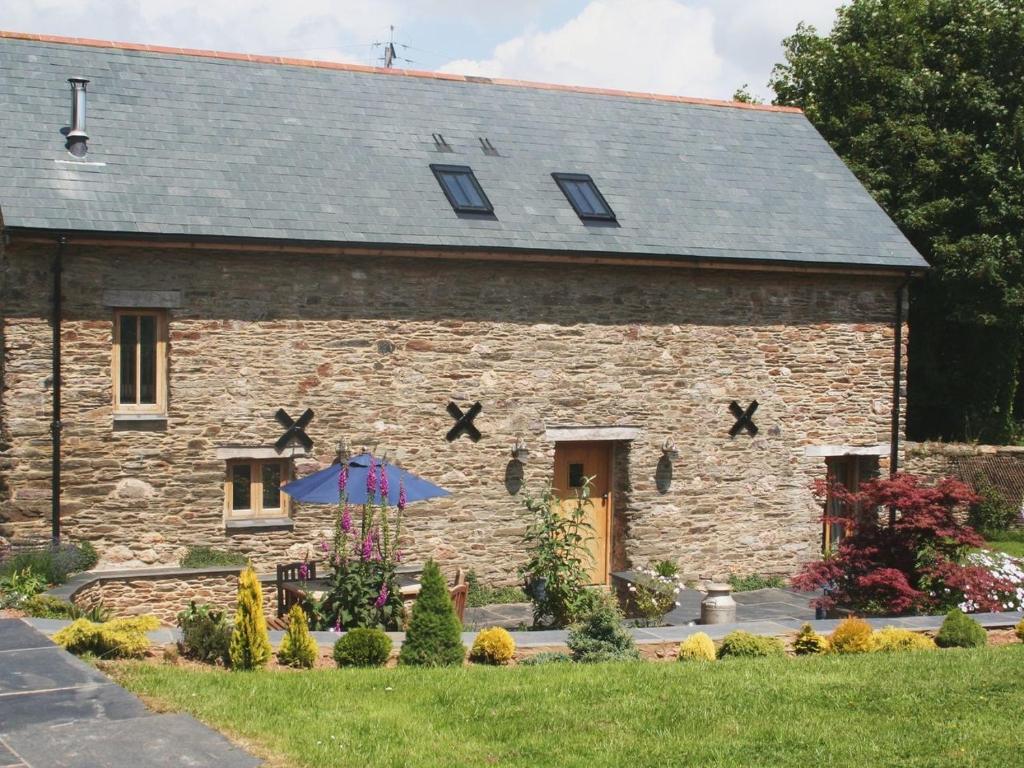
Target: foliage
[[896, 639], [744, 96], [363, 647], [1006, 580], [434, 636], [482, 594], [205, 634], [249, 647], [810, 643], [913, 564], [654, 593], [599, 634], [298, 648], [697, 647], [47, 607], [208, 557], [363, 586], [853, 635], [18, 586], [754, 581], [959, 630], [546, 657], [493, 646], [924, 101], [992, 514], [52, 563], [555, 572], [744, 644], [1019, 630], [117, 638]]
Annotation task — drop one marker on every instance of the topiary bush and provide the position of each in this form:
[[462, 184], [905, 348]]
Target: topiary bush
[[434, 637], [493, 646], [363, 647], [298, 648], [959, 630], [205, 634], [745, 645], [600, 636], [896, 639], [698, 647], [117, 638], [810, 643], [250, 643], [853, 635]]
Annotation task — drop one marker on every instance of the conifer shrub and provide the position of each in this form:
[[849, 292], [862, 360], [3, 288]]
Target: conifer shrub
[[298, 648], [896, 639], [114, 639], [745, 645], [250, 643], [810, 643], [205, 634], [599, 634], [853, 635], [363, 647], [959, 630], [434, 637], [493, 646], [1019, 629], [698, 647]]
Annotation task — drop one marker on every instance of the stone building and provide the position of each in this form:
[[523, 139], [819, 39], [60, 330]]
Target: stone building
[[615, 278]]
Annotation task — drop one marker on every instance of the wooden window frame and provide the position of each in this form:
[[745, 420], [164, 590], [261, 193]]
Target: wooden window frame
[[256, 510], [159, 408]]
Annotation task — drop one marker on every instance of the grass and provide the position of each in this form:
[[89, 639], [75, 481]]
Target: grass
[[207, 557], [931, 708], [755, 581], [1010, 542]]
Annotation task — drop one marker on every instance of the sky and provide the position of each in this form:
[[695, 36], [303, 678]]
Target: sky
[[703, 48]]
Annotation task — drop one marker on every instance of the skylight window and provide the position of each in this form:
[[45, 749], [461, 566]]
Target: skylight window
[[462, 189], [583, 194]]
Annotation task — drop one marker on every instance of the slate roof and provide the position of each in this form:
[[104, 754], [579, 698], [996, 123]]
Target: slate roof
[[217, 145]]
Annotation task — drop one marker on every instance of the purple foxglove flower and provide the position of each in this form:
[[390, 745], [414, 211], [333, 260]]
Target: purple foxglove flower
[[337, 626], [382, 597], [303, 572], [324, 546], [342, 479], [346, 520], [384, 483], [371, 480], [403, 499], [398, 555], [367, 549]]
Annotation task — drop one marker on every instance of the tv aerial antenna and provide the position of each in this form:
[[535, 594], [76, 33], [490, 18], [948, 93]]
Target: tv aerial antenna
[[390, 54]]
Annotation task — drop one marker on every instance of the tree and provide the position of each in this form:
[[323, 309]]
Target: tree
[[250, 642], [924, 100]]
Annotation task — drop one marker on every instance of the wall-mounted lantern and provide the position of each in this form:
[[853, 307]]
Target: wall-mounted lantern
[[669, 449], [520, 451], [663, 473]]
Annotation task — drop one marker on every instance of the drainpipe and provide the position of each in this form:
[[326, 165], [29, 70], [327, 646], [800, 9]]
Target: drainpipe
[[55, 424], [897, 382]]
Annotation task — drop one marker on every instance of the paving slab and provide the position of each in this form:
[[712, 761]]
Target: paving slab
[[108, 702], [39, 669]]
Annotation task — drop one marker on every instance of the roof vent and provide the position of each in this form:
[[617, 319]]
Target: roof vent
[[77, 137]]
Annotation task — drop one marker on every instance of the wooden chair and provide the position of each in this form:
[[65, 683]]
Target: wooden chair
[[286, 598], [459, 594]]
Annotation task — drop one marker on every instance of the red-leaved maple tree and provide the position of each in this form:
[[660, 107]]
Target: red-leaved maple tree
[[912, 564]]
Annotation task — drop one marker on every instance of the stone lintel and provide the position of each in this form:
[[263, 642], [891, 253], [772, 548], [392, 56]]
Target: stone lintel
[[582, 434], [226, 452], [824, 451], [134, 299]]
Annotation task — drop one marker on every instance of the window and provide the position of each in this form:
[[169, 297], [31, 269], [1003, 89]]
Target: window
[[462, 189], [850, 472], [140, 361], [581, 191], [253, 488]]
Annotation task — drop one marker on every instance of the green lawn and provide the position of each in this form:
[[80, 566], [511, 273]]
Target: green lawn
[[932, 708], [1011, 542]]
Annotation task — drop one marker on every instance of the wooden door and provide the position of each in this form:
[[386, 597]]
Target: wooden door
[[573, 462]]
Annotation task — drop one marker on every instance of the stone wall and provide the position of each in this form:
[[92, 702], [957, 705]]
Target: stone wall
[[377, 345]]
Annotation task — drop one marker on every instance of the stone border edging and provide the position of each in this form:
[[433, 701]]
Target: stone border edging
[[80, 581]]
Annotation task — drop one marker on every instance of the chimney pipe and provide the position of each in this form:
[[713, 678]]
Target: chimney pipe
[[77, 137]]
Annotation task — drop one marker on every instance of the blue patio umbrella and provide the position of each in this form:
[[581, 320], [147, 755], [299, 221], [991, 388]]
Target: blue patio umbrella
[[322, 487]]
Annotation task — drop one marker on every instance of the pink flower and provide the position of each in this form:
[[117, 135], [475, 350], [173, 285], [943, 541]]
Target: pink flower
[[324, 546], [342, 480], [398, 555], [303, 572], [371, 480], [382, 597], [384, 482], [367, 549], [337, 626], [403, 499], [346, 520]]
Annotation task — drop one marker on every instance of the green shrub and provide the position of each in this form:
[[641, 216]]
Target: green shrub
[[753, 581], [493, 646], [546, 657], [52, 564], [481, 594], [959, 630], [434, 635], [250, 644], [117, 638], [745, 645], [298, 648], [205, 634], [698, 647], [809, 643], [992, 514], [208, 557], [47, 607], [599, 634], [363, 647], [1019, 630], [896, 639], [19, 586], [853, 635]]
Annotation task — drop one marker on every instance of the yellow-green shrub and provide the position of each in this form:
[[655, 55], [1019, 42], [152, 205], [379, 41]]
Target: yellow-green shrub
[[896, 639], [493, 646], [117, 638], [851, 636], [809, 643], [1019, 629], [250, 643], [698, 647], [298, 648]]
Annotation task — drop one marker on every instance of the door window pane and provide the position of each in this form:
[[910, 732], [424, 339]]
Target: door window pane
[[128, 341], [575, 475], [147, 359], [241, 486], [271, 485]]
